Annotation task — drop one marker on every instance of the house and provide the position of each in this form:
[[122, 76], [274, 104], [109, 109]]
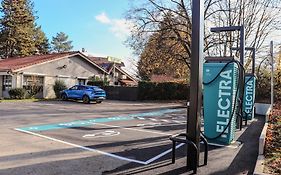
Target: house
[[117, 76], [43, 70]]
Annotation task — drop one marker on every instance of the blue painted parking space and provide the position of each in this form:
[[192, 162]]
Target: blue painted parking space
[[140, 138], [88, 122]]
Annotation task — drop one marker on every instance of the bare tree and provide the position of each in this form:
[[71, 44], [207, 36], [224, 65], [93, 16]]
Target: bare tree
[[172, 18]]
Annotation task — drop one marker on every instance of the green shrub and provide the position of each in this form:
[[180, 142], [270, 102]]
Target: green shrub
[[96, 81], [17, 93], [163, 91], [58, 87], [33, 90]]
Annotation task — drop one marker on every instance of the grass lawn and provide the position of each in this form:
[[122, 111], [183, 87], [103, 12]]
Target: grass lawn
[[23, 100], [273, 142]]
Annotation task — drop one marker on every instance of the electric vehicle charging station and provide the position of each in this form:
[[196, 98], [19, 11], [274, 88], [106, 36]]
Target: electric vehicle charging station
[[220, 79], [223, 93], [249, 97], [249, 89]]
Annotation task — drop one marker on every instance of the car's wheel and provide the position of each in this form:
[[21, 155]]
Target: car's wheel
[[86, 99], [99, 101], [64, 97]]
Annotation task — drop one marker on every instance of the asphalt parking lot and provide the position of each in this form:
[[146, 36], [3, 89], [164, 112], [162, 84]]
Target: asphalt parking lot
[[55, 137]]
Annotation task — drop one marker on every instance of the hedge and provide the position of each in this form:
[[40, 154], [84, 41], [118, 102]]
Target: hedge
[[17, 93], [163, 91], [97, 83]]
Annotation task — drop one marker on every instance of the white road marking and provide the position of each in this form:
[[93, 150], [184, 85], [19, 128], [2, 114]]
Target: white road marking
[[102, 152], [107, 133], [133, 129], [83, 147], [163, 154], [227, 146], [149, 124]]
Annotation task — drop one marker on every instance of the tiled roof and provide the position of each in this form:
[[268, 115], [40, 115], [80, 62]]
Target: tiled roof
[[104, 63], [161, 78], [14, 63]]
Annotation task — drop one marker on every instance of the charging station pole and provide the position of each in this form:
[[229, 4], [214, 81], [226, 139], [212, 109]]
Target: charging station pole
[[197, 49], [253, 50], [272, 75]]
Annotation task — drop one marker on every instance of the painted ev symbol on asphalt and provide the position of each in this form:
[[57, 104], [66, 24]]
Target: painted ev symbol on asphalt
[[107, 133]]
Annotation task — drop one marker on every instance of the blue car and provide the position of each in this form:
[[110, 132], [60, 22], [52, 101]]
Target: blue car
[[84, 93]]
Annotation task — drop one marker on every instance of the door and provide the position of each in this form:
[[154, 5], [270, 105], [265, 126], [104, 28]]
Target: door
[[7, 85], [72, 92], [80, 92]]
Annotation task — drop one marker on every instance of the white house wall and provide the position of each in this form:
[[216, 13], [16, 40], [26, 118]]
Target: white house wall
[[76, 67], [48, 91], [18, 80]]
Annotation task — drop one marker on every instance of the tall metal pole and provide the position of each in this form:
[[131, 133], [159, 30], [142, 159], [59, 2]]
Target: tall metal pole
[[114, 73], [197, 48], [253, 60], [272, 76], [242, 44]]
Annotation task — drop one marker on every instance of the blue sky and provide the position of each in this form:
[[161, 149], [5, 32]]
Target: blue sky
[[97, 25]]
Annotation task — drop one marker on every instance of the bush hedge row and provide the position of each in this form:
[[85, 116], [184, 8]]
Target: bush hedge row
[[163, 91], [17, 93]]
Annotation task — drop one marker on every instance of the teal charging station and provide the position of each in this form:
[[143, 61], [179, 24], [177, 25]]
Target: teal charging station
[[220, 101], [249, 96]]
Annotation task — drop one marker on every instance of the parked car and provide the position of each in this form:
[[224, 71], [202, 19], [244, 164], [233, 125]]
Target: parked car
[[84, 93]]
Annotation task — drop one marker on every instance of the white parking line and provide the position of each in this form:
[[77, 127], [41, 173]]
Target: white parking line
[[83, 147], [133, 129], [102, 152]]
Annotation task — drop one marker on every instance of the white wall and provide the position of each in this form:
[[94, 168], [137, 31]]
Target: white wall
[[76, 67]]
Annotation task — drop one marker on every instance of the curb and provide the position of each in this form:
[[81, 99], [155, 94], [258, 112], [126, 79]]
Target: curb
[[259, 168]]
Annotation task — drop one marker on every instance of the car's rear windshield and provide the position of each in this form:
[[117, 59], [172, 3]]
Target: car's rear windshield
[[92, 87]]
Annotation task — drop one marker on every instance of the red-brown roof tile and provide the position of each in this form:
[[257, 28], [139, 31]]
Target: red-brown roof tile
[[14, 63], [161, 78], [104, 63]]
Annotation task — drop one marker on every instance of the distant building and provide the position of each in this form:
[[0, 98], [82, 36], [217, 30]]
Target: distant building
[[121, 78], [70, 67]]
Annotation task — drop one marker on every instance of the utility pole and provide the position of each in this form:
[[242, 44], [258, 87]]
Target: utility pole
[[113, 73], [272, 75], [197, 49]]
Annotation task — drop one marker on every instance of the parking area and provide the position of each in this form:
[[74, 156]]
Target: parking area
[[55, 137]]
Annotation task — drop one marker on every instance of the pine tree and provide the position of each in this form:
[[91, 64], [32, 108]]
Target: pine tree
[[41, 41], [17, 28], [60, 43]]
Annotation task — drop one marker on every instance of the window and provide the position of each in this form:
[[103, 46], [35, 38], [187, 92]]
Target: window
[[124, 77], [73, 88], [81, 81], [81, 88], [32, 80], [7, 82]]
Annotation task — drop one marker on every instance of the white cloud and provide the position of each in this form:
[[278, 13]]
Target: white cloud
[[121, 28], [103, 18]]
